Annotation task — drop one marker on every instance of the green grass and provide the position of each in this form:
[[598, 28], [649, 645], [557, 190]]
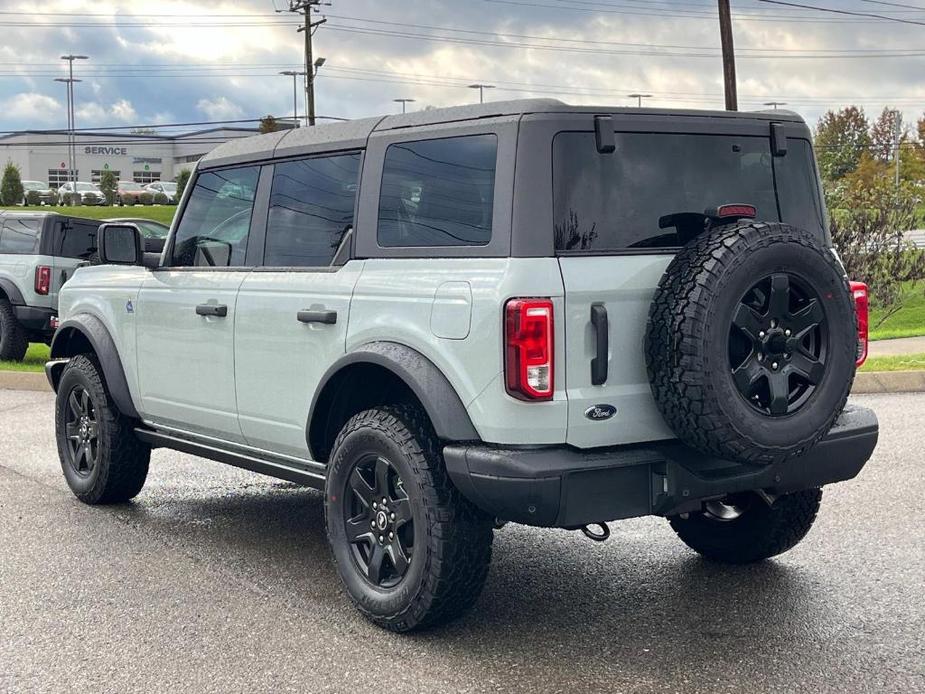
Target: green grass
[[905, 362], [909, 321], [35, 360], [159, 213]]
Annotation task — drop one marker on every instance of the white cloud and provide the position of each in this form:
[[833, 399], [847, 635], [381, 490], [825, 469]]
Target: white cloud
[[220, 108], [33, 107], [124, 111]]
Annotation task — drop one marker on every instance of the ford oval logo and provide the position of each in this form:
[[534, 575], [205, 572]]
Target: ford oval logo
[[599, 413]]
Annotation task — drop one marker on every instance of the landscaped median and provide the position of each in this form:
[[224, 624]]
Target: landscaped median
[[887, 374]]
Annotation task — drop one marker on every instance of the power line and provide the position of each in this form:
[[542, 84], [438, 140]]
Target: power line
[[847, 12]]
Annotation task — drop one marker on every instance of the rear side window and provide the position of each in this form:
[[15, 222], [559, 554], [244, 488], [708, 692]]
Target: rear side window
[[216, 222], [798, 187], [20, 236], [77, 239], [311, 207], [438, 192]]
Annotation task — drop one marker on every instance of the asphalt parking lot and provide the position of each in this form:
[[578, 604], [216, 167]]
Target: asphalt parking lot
[[215, 579]]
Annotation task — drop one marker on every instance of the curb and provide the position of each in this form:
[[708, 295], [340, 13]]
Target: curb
[[865, 382]]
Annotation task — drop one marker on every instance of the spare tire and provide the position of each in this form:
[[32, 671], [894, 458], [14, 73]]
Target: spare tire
[[751, 342]]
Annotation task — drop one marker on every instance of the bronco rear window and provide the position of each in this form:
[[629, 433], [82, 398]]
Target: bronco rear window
[[613, 202]]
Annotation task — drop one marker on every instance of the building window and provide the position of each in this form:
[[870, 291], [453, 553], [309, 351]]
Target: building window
[[97, 174], [58, 177], [146, 177]]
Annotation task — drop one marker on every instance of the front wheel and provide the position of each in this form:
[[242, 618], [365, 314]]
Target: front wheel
[[102, 459], [412, 552], [744, 528]]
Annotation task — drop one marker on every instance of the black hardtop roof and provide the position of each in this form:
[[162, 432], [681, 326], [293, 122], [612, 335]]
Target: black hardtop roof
[[4, 214], [353, 134]]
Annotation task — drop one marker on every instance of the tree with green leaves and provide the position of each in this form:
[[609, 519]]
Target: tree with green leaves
[[268, 124], [109, 185], [11, 190], [182, 180], [883, 133], [841, 138]]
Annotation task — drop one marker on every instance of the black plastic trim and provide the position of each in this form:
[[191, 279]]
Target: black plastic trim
[[600, 361], [93, 329], [34, 317], [567, 487], [12, 292], [264, 466], [446, 411]]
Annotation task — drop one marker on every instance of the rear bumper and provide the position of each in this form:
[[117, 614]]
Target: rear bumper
[[35, 319], [566, 487]]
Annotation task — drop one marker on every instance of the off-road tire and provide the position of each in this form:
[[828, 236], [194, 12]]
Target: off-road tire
[[13, 339], [761, 531], [687, 338], [453, 539], [123, 462]]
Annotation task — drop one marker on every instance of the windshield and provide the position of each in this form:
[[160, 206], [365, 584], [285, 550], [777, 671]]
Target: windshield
[[169, 187], [613, 202], [34, 185], [129, 185]]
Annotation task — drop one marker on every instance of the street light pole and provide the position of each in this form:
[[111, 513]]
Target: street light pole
[[481, 88], [311, 91], [897, 139], [403, 102], [775, 104], [639, 98], [72, 120], [295, 74]]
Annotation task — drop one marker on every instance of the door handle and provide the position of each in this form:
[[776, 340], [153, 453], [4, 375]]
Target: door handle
[[217, 310], [322, 316], [601, 344]]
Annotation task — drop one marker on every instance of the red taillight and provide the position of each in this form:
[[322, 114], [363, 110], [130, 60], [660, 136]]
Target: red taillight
[[861, 304], [528, 339], [42, 280], [748, 211]]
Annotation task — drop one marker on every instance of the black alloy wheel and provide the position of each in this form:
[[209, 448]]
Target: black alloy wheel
[[81, 430], [778, 344], [378, 521]]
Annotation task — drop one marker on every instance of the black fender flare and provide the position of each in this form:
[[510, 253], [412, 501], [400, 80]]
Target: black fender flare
[[12, 292], [94, 331], [430, 386]]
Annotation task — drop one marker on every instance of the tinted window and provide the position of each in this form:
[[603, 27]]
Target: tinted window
[[216, 221], [311, 206], [438, 192], [798, 187], [77, 239], [20, 236], [614, 201]]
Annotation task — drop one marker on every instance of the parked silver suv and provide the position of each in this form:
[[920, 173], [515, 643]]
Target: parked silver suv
[[518, 311]]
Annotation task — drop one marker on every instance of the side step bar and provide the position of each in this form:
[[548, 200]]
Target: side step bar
[[282, 471]]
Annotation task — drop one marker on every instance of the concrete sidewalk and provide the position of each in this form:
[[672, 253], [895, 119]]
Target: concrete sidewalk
[[898, 347]]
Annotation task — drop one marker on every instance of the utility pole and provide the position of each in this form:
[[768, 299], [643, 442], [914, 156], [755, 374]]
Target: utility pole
[[897, 140], [295, 99], [729, 59], [306, 8], [481, 88], [71, 118]]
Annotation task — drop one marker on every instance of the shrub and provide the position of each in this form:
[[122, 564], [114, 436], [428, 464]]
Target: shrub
[[54, 198], [160, 199], [33, 199], [11, 190], [128, 199], [182, 180], [86, 199], [109, 184], [146, 199]]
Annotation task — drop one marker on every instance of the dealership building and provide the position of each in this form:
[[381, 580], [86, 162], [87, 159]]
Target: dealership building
[[42, 155]]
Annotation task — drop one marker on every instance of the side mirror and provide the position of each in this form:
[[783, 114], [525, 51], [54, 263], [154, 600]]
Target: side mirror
[[119, 244]]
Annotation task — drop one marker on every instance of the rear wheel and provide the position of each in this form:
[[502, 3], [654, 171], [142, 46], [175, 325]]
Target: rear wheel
[[744, 528], [102, 459], [412, 552], [13, 339]]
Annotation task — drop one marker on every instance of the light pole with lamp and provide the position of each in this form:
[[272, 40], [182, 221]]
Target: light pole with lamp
[[71, 119], [481, 88], [403, 102], [295, 100]]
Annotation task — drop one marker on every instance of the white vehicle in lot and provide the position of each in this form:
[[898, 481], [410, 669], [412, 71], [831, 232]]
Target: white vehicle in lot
[[166, 188], [519, 311], [90, 194]]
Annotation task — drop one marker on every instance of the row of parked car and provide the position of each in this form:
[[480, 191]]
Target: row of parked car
[[127, 192]]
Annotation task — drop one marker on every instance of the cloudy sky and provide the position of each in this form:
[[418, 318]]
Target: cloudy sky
[[171, 62]]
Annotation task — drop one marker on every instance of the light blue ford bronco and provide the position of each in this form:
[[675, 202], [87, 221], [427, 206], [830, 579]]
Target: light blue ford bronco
[[515, 312]]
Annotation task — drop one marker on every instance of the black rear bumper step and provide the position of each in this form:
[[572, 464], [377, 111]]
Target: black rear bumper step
[[568, 487]]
